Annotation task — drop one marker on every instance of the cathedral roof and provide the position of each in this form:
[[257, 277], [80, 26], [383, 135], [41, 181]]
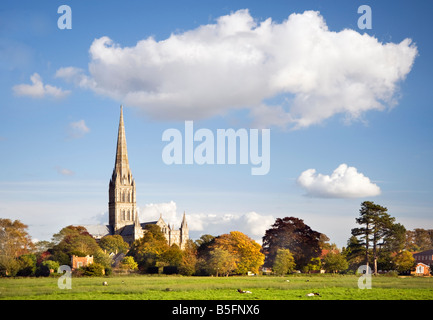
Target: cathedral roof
[[143, 224], [99, 230]]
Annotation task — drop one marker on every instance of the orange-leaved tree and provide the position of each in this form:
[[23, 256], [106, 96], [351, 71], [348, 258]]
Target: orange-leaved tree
[[246, 251]]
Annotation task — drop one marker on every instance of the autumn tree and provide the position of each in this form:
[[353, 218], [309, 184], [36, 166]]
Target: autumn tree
[[220, 262], [245, 250], [189, 259], [14, 242], [293, 234], [419, 239], [73, 240]]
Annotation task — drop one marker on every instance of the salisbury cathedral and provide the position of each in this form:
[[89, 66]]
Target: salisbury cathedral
[[122, 209]]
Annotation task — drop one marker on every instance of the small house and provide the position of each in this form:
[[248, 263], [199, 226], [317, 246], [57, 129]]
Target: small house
[[78, 262], [421, 269]]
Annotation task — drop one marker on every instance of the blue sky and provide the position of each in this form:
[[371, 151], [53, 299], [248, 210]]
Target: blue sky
[[356, 97]]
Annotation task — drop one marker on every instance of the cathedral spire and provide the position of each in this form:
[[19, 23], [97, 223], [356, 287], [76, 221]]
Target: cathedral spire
[[122, 209], [121, 165], [184, 224]]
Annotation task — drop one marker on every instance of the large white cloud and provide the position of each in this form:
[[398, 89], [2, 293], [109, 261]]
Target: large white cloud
[[152, 211], [344, 182], [251, 223], [239, 63]]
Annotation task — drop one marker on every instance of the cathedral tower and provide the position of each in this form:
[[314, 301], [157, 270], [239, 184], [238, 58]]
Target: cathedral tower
[[121, 194]]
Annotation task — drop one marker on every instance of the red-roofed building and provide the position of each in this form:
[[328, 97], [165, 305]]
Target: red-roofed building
[[78, 262]]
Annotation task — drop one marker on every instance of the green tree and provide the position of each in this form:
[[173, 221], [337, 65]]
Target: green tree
[[204, 246], [284, 262], [315, 264], [172, 256], [396, 239], [376, 225], [204, 241], [335, 262], [44, 269], [149, 250], [354, 253], [113, 243], [404, 261], [27, 265], [104, 259], [128, 263], [93, 270]]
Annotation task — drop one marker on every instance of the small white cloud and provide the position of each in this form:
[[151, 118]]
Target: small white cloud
[[38, 90], [344, 182], [256, 224], [78, 129], [64, 171]]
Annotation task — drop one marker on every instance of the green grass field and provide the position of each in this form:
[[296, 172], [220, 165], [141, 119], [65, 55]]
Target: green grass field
[[142, 287]]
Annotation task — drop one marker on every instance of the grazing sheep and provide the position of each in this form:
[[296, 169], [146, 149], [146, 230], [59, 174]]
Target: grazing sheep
[[105, 283], [243, 291], [312, 294]]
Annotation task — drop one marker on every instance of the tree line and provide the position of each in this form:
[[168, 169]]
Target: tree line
[[288, 245]]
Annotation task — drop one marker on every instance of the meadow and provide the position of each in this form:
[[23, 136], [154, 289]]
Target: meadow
[[145, 287]]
